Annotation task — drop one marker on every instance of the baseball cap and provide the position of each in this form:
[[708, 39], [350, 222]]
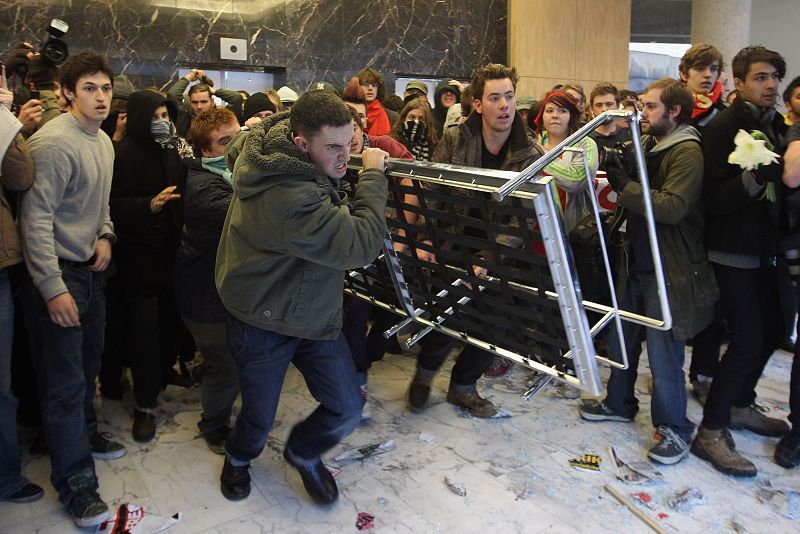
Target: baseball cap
[[417, 85], [287, 95]]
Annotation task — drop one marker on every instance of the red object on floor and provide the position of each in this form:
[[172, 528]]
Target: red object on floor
[[364, 521]]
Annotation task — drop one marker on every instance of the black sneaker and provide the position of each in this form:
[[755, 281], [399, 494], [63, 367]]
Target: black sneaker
[[787, 452], [103, 448], [599, 411], [215, 439], [30, 492], [318, 481], [235, 481], [88, 509], [670, 449]]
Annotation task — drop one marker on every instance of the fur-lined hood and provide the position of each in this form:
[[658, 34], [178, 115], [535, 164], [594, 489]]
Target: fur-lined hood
[[269, 157]]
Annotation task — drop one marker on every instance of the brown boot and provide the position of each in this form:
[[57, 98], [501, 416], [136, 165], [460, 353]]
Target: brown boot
[[753, 419], [716, 446], [477, 405]]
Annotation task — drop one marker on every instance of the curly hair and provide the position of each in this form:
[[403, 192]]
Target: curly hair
[[370, 75]]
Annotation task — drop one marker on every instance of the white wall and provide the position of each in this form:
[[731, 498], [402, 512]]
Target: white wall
[[776, 25]]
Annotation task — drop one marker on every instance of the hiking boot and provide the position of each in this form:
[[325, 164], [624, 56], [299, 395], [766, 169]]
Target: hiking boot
[[317, 480], [753, 419], [670, 449], [714, 446], [500, 367], [85, 505], [477, 405], [215, 439], [787, 452], [235, 481], [30, 492], [700, 388], [599, 411], [144, 426], [419, 393], [103, 448]]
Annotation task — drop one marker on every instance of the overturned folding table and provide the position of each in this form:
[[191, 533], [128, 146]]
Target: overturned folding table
[[529, 307]]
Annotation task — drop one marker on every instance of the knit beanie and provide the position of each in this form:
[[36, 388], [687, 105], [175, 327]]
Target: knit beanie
[[255, 103]]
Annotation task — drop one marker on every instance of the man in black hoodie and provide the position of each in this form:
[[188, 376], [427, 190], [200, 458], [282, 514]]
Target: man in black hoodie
[[146, 209], [742, 243], [448, 92]]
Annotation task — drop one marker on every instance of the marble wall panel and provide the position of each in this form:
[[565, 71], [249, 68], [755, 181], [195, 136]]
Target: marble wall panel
[[312, 39]]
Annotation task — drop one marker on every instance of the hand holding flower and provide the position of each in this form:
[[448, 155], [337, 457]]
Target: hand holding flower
[[754, 153], [751, 151]]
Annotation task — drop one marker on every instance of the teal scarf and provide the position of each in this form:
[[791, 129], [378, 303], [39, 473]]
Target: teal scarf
[[218, 166]]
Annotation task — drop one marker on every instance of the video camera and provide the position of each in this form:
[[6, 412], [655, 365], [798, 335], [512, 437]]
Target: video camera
[[55, 50], [621, 154]]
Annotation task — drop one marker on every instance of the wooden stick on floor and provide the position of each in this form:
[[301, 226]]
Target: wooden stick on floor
[[633, 508]]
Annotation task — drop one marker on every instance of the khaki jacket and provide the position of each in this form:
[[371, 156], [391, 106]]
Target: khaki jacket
[[17, 175]]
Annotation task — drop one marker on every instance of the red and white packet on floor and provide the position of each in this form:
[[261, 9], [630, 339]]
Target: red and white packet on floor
[[132, 519]]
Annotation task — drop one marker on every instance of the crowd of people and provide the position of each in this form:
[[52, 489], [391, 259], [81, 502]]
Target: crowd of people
[[200, 236]]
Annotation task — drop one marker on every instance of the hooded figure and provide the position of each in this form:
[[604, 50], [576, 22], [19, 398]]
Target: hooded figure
[[148, 229], [440, 111]]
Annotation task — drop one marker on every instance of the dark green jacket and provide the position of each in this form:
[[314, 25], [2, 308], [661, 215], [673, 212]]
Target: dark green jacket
[[675, 189], [290, 235]]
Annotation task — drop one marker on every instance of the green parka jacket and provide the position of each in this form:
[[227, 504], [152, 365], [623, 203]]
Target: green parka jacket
[[675, 189], [290, 235]]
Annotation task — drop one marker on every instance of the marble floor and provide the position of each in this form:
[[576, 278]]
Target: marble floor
[[515, 469]]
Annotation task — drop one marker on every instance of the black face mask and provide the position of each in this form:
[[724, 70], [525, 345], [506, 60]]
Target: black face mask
[[415, 131]]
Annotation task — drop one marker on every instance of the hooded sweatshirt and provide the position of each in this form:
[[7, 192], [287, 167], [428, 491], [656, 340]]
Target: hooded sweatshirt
[[290, 234], [440, 112], [675, 172], [146, 241]]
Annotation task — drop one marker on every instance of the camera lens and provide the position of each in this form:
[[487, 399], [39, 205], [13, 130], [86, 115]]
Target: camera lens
[[55, 51]]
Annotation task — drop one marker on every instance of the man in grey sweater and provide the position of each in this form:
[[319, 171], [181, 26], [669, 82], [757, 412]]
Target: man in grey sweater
[[67, 236]]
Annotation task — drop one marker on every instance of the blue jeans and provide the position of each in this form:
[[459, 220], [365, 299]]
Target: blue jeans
[[67, 362], [11, 478], [666, 356], [262, 359]]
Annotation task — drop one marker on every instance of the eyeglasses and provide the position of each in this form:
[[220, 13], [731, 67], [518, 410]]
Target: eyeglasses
[[369, 84]]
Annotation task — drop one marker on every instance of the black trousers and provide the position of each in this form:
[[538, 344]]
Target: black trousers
[[471, 363], [154, 337], [751, 306], [706, 346], [366, 347]]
